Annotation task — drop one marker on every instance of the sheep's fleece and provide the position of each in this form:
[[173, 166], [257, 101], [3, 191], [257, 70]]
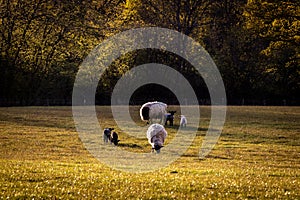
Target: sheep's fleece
[[156, 133], [157, 110]]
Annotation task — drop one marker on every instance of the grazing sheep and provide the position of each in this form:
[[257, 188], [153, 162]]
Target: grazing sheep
[[114, 138], [183, 121], [153, 111], [156, 135], [107, 134], [170, 118]]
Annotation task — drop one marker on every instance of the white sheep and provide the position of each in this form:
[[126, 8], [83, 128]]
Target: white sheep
[[183, 121], [153, 112], [156, 135]]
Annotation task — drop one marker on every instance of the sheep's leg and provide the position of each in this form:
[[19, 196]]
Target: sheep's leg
[[163, 119], [171, 122]]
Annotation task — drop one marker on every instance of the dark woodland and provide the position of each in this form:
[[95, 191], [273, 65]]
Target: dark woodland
[[255, 45]]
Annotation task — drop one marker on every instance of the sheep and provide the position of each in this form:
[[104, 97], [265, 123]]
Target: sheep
[[156, 135], [107, 134], [153, 111], [170, 117], [114, 138], [183, 121]]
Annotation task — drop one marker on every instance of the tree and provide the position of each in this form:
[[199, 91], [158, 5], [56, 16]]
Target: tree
[[185, 16], [278, 24], [43, 42], [233, 48]]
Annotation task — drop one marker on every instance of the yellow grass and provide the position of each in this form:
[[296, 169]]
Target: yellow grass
[[257, 156]]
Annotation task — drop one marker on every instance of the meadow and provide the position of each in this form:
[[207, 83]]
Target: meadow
[[256, 157]]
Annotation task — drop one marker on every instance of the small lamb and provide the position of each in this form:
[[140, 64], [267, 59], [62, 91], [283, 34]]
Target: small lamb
[[114, 138], [183, 121], [107, 134], [170, 118]]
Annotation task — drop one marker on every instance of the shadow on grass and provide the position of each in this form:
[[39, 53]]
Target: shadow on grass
[[207, 157], [176, 127], [218, 157], [135, 146], [63, 123]]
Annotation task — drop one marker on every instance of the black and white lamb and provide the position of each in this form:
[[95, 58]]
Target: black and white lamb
[[107, 134], [114, 138]]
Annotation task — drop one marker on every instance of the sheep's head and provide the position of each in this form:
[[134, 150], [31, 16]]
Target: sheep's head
[[157, 148], [172, 112]]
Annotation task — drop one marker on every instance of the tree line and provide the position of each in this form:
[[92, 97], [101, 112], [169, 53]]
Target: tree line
[[254, 43]]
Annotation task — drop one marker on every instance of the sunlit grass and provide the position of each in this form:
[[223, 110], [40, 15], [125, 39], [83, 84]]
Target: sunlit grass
[[257, 156]]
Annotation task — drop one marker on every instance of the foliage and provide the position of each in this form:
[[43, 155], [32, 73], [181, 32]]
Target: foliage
[[254, 43], [278, 24], [42, 43]]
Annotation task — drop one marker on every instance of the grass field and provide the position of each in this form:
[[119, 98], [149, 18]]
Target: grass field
[[257, 157]]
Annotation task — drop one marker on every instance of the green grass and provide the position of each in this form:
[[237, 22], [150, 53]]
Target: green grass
[[257, 157]]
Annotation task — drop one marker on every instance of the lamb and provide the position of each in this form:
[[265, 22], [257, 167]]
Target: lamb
[[153, 112], [114, 138], [170, 118], [156, 135], [183, 121], [106, 134]]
